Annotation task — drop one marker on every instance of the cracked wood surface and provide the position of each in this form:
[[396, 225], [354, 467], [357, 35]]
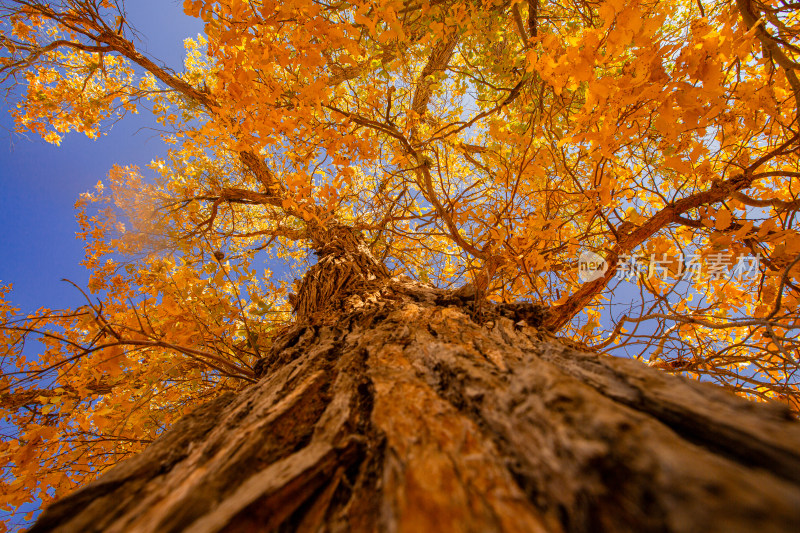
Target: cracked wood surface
[[404, 413]]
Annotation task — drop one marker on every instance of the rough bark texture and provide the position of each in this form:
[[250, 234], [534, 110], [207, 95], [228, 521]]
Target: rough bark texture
[[397, 407]]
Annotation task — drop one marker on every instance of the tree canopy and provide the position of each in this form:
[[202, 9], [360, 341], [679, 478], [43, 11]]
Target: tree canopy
[[482, 142]]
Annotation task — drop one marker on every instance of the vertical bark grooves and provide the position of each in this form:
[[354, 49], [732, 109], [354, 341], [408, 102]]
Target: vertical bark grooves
[[701, 413], [345, 266], [392, 409]]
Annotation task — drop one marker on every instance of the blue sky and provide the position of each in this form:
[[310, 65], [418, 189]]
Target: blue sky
[[40, 182]]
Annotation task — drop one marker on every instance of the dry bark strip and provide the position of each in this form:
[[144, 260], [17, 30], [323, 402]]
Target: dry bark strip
[[401, 408]]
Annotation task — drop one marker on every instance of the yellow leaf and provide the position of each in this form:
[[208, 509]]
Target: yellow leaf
[[723, 219]]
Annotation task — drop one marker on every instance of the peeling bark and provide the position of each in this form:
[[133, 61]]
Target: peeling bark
[[400, 407]]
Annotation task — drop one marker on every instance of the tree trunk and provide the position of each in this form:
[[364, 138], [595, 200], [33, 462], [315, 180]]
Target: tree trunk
[[392, 406]]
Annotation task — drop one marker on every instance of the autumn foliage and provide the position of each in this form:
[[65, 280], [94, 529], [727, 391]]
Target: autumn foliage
[[488, 142]]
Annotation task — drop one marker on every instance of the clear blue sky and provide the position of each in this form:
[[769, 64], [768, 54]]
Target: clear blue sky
[[40, 182]]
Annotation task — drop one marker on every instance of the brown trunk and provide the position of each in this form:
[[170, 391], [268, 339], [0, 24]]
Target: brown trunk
[[396, 407]]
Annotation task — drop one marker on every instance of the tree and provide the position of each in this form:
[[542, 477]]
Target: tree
[[446, 163]]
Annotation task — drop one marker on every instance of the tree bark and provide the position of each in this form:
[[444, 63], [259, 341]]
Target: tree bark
[[392, 406]]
